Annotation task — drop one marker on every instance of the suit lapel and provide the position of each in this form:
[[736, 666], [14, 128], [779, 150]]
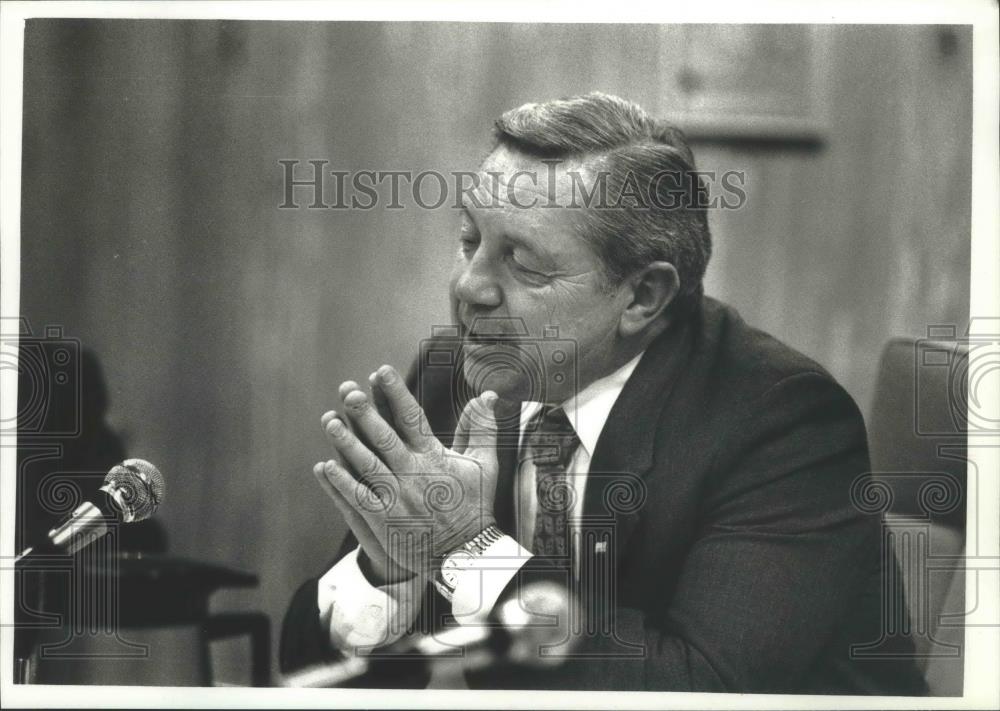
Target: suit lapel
[[615, 492]]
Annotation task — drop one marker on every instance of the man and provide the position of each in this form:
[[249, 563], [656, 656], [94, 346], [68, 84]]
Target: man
[[686, 478]]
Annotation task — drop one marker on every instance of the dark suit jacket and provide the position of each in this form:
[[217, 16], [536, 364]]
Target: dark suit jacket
[[737, 558]]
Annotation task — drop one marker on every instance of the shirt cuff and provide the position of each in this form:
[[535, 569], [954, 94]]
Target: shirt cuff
[[481, 580], [359, 614]]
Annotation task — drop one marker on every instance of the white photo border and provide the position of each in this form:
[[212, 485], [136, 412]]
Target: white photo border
[[982, 643]]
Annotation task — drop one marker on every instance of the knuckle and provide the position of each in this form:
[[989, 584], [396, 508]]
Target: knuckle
[[370, 466], [411, 415], [385, 440], [430, 447], [422, 448]]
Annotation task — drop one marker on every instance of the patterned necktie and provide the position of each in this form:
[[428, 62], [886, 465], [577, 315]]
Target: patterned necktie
[[551, 442]]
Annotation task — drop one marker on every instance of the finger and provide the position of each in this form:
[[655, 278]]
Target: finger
[[460, 442], [325, 474], [326, 483], [340, 488], [376, 433], [319, 471], [330, 415], [325, 420], [364, 534], [346, 388], [369, 504], [356, 509], [411, 423], [380, 402], [355, 454], [477, 427], [327, 417]]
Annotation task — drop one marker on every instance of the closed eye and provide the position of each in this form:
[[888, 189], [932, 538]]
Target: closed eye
[[469, 236], [529, 273], [468, 243]]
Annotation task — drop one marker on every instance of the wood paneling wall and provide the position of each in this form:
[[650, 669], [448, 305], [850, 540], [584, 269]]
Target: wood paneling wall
[[224, 325]]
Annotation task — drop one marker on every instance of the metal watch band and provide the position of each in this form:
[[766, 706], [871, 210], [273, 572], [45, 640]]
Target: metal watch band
[[483, 540], [476, 547]]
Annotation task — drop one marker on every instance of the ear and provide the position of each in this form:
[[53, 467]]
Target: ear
[[653, 288]]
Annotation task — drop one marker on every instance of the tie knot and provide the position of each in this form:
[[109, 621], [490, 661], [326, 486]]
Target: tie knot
[[550, 437]]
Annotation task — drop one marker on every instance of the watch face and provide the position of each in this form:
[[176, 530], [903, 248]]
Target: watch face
[[449, 576], [452, 564]]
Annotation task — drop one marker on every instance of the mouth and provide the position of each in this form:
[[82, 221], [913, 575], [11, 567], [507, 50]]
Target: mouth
[[497, 340], [483, 337]]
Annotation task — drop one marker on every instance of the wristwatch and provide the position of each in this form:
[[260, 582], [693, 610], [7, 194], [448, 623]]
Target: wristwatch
[[446, 576]]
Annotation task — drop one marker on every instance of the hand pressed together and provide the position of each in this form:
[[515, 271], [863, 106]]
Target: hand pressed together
[[408, 498]]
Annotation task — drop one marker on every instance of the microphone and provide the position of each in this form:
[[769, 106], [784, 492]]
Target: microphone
[[533, 632], [132, 491]]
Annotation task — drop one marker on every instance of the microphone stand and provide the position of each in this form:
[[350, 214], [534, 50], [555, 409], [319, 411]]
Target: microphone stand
[[85, 525], [132, 491], [30, 596]]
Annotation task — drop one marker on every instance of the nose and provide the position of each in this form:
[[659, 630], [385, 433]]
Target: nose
[[475, 283]]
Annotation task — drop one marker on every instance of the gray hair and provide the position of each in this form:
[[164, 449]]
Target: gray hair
[[626, 144]]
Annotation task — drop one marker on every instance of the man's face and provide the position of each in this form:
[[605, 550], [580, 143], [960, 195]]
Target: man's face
[[523, 269]]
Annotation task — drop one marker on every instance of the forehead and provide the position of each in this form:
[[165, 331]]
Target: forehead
[[524, 199], [511, 178], [536, 202]]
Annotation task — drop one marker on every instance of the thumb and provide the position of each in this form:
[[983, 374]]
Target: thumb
[[478, 426]]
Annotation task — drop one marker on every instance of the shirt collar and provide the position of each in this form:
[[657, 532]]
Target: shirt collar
[[588, 409]]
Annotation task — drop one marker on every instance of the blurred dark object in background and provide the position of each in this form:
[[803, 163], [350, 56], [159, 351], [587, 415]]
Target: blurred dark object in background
[[119, 610], [124, 618], [62, 402], [918, 434]]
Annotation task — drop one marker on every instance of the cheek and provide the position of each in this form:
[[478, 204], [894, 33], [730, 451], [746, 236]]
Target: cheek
[[589, 320], [571, 308], [536, 311]]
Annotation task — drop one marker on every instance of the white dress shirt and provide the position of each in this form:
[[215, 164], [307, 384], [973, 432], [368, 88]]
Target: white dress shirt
[[359, 614]]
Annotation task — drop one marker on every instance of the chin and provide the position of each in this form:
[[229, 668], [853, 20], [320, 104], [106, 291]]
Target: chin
[[482, 374], [503, 370]]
